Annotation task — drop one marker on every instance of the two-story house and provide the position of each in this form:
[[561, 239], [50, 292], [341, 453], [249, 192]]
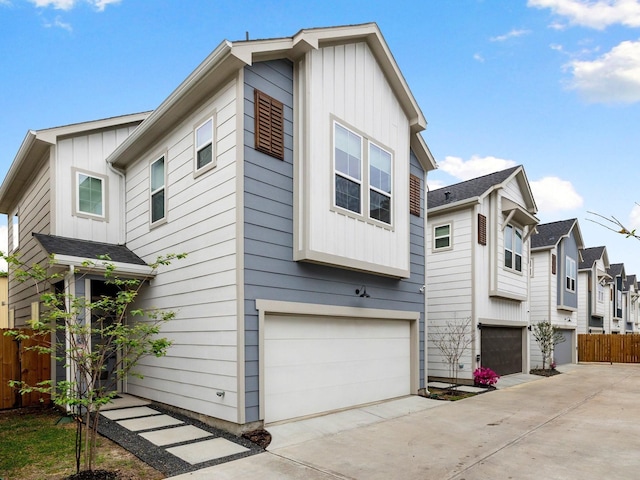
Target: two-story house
[[292, 171], [555, 257], [630, 296], [617, 278], [478, 239], [594, 297]]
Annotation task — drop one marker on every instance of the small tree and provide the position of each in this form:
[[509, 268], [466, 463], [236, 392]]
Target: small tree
[[452, 340], [547, 336], [109, 343]]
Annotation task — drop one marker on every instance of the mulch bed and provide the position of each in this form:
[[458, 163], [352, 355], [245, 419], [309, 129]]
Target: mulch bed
[[547, 372]]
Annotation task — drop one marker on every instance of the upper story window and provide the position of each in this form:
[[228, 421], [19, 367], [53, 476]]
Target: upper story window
[[157, 190], [442, 237], [350, 162], [513, 248], [204, 145], [600, 292], [570, 274], [379, 183], [15, 231], [90, 194]]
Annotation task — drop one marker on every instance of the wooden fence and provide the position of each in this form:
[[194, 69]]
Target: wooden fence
[[18, 362], [609, 348]]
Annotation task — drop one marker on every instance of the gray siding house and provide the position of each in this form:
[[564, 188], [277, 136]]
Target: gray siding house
[[555, 259], [292, 171], [594, 291]]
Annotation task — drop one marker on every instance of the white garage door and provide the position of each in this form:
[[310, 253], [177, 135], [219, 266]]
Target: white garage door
[[318, 364]]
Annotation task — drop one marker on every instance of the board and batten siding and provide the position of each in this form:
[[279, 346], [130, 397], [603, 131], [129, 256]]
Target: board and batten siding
[[87, 153], [568, 249], [542, 286], [270, 272], [584, 296], [201, 289], [449, 285], [344, 83], [34, 215]]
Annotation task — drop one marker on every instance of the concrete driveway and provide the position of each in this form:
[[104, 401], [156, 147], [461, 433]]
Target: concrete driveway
[[583, 424]]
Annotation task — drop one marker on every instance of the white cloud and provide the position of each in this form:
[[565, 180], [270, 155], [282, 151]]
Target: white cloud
[[552, 194], [100, 5], [634, 218], [4, 245], [478, 57], [435, 184], [474, 167], [512, 34], [597, 14], [614, 77], [58, 23]]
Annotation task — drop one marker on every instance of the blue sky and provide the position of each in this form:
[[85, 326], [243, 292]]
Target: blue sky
[[553, 85]]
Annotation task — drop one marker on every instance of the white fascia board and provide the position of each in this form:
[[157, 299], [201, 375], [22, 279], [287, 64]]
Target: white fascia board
[[422, 152], [51, 135], [467, 202], [126, 269]]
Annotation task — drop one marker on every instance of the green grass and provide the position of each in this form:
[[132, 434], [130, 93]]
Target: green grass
[[33, 447]]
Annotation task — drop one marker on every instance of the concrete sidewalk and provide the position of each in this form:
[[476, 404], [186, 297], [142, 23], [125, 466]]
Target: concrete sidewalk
[[582, 424]]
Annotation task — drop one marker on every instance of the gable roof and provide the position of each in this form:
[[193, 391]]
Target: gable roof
[[229, 57], [34, 150], [549, 234], [631, 281], [616, 270], [591, 255], [71, 251]]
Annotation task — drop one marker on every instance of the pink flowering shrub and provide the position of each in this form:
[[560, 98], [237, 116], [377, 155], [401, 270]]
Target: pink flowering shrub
[[485, 376]]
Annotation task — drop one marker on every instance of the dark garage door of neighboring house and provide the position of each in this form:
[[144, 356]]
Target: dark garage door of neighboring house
[[501, 349], [563, 352]]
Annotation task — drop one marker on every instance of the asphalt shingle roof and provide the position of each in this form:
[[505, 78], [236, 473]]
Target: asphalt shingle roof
[[467, 189], [589, 256], [86, 249], [615, 269], [549, 234]]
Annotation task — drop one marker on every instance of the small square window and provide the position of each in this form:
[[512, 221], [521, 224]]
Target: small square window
[[90, 194], [442, 236]]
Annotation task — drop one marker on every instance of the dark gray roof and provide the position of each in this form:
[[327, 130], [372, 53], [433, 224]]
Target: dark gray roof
[[467, 189], [86, 249], [631, 280], [549, 234], [589, 256], [615, 269]]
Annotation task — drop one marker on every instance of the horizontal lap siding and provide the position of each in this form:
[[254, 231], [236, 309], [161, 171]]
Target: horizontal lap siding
[[270, 272], [201, 289], [33, 216]]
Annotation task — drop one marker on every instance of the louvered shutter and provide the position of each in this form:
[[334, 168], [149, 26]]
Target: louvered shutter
[[414, 195], [482, 229], [269, 126]]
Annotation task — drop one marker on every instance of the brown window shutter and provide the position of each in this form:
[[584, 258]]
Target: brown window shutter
[[269, 127], [414, 195], [482, 229], [553, 263]]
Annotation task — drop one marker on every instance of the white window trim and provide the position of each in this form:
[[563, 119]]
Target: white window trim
[[513, 251], [15, 231], [570, 274], [365, 186], [435, 237], [76, 195], [152, 192], [600, 290], [211, 165], [377, 190]]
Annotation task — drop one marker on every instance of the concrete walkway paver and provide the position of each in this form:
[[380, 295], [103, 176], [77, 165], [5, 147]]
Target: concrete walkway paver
[[584, 424]]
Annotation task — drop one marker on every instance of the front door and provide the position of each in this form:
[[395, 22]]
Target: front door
[[99, 321]]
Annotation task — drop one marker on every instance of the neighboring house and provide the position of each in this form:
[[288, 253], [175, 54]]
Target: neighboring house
[[555, 256], [630, 298], [617, 276], [292, 171], [594, 296], [478, 239]]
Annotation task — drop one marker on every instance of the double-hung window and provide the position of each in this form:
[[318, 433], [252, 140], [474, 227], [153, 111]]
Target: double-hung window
[[570, 274], [90, 195], [353, 155], [513, 248], [348, 168], [204, 144], [442, 237], [157, 190], [600, 292]]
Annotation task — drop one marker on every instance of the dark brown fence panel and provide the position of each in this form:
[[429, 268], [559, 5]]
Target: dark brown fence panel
[[19, 362], [609, 348]]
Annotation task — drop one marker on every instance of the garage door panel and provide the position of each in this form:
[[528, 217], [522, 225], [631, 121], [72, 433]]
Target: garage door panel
[[563, 352], [350, 362], [501, 349]]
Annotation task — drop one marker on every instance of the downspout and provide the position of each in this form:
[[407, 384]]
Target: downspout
[[122, 235]]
